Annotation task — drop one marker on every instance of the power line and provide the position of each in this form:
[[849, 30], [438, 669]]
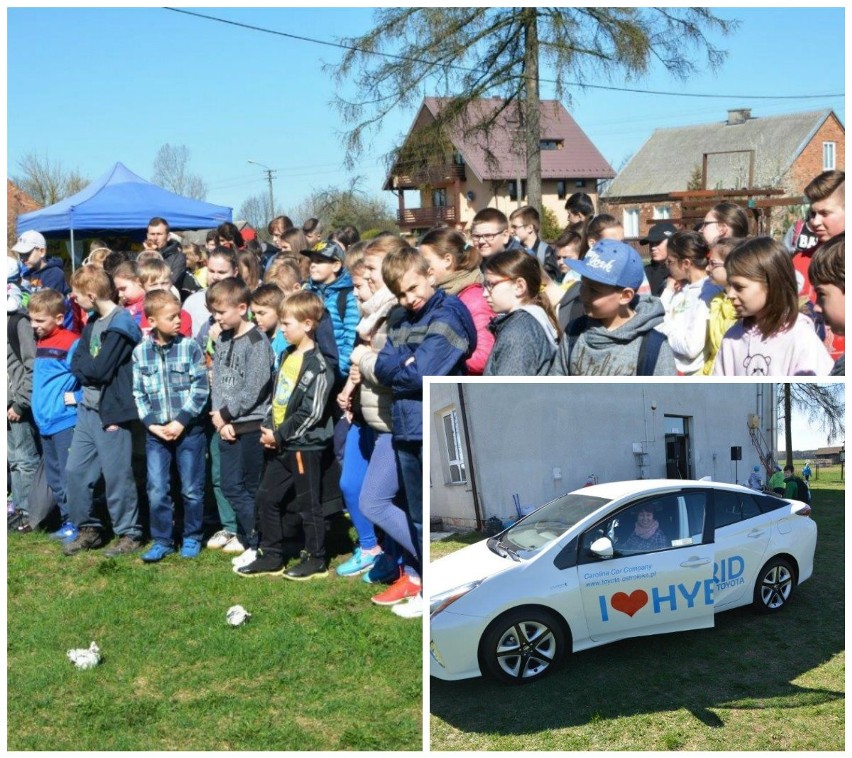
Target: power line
[[467, 69]]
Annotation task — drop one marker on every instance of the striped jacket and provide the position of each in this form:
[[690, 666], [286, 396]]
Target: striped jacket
[[307, 420], [169, 381]]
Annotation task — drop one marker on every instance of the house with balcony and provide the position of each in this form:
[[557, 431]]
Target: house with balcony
[[740, 152], [479, 170]]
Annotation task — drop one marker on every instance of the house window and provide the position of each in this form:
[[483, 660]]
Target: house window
[[561, 188], [457, 474], [662, 212], [631, 223], [513, 189], [828, 161], [551, 144], [439, 197]]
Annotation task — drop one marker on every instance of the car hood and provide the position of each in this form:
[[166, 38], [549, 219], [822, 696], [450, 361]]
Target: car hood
[[466, 565]]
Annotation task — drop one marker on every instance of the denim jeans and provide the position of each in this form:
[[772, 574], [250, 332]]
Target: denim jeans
[[409, 458], [98, 451], [241, 466], [22, 455], [56, 449], [188, 453]]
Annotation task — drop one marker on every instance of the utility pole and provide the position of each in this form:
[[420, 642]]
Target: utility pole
[[269, 172]]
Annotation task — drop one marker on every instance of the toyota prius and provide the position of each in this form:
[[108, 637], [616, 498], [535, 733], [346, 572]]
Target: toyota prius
[[612, 561]]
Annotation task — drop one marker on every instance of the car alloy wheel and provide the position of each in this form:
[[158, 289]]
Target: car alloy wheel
[[774, 586], [522, 646]]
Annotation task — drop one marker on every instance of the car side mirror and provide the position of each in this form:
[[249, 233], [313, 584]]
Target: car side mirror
[[602, 547]]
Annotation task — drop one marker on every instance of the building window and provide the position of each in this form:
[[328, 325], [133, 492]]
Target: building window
[[439, 197], [453, 447], [631, 223], [828, 161], [561, 189], [513, 189], [551, 144], [662, 212]]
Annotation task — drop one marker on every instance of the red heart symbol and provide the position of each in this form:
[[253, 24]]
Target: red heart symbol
[[631, 603]]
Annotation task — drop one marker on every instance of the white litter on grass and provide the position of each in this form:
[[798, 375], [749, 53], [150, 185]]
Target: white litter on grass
[[237, 615], [85, 658]]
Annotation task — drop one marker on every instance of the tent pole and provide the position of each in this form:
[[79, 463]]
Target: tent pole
[[73, 267]]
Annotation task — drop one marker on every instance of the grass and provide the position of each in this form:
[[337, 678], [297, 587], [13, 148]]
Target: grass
[[751, 683], [317, 667]]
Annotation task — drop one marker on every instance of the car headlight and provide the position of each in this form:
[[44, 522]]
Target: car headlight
[[439, 602]]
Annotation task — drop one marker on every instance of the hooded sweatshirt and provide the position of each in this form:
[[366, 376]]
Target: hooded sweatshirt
[[599, 351], [50, 275], [525, 343], [344, 324]]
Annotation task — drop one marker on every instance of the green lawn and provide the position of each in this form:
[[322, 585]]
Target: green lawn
[[751, 683], [317, 667]]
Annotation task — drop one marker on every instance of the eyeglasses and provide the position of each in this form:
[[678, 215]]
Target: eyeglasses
[[488, 286], [484, 237], [515, 227], [711, 264], [707, 223]]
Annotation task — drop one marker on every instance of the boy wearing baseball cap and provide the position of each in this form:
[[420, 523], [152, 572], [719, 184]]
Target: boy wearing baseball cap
[[40, 271], [616, 336]]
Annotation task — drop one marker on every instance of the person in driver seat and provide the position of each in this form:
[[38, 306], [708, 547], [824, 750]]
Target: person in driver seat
[[647, 535]]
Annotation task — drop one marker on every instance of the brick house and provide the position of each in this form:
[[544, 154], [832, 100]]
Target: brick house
[[744, 151], [17, 202], [478, 173]]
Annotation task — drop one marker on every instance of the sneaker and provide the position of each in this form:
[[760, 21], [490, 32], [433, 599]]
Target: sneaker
[[384, 570], [157, 552], [124, 546], [411, 608], [88, 538], [190, 548], [66, 532], [233, 546], [401, 589], [307, 568], [18, 521], [264, 565], [358, 563], [243, 560], [220, 539]]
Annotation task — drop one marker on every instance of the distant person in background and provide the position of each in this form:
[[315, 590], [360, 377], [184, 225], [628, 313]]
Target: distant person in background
[[158, 239], [657, 271], [40, 270], [603, 227], [754, 481], [346, 237], [312, 229], [580, 208], [724, 220], [230, 236], [525, 223], [776, 481]]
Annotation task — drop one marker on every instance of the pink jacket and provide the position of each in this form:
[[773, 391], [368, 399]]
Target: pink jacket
[[481, 313]]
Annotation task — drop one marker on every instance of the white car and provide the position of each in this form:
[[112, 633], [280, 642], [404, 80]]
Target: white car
[[612, 561]]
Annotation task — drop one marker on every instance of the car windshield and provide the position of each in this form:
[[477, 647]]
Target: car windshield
[[550, 521]]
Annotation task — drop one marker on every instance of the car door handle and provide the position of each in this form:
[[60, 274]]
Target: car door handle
[[756, 533], [695, 562]]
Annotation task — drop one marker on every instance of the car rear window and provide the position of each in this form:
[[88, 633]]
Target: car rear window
[[768, 503]]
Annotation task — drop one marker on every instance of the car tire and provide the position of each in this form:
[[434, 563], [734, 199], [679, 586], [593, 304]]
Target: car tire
[[774, 586], [522, 646]]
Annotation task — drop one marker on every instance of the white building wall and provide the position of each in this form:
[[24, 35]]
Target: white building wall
[[541, 440]]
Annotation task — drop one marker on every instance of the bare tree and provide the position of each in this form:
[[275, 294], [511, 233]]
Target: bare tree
[[822, 405], [473, 53], [45, 181], [255, 210], [337, 207], [171, 171]]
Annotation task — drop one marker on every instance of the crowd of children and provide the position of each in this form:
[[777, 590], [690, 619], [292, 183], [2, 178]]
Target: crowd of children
[[283, 375]]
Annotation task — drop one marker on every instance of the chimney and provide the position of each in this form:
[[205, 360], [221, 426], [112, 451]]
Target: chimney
[[738, 116]]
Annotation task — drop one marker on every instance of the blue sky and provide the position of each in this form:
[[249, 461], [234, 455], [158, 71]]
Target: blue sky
[[88, 87]]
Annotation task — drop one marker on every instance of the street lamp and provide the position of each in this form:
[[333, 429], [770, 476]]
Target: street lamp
[[269, 172]]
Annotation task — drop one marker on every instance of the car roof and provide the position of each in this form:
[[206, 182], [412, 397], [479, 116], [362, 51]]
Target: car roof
[[617, 490]]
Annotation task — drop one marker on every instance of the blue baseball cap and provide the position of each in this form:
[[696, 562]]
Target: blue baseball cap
[[611, 262]]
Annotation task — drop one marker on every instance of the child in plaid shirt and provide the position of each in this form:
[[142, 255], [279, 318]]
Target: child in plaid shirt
[[170, 389]]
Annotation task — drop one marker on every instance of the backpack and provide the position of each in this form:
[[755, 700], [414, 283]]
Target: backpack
[[802, 491], [649, 348]]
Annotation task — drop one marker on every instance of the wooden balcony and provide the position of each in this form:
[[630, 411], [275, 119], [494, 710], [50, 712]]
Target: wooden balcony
[[423, 218], [434, 176]]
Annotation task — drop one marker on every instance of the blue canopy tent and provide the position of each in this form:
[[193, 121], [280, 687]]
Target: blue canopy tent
[[121, 201]]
